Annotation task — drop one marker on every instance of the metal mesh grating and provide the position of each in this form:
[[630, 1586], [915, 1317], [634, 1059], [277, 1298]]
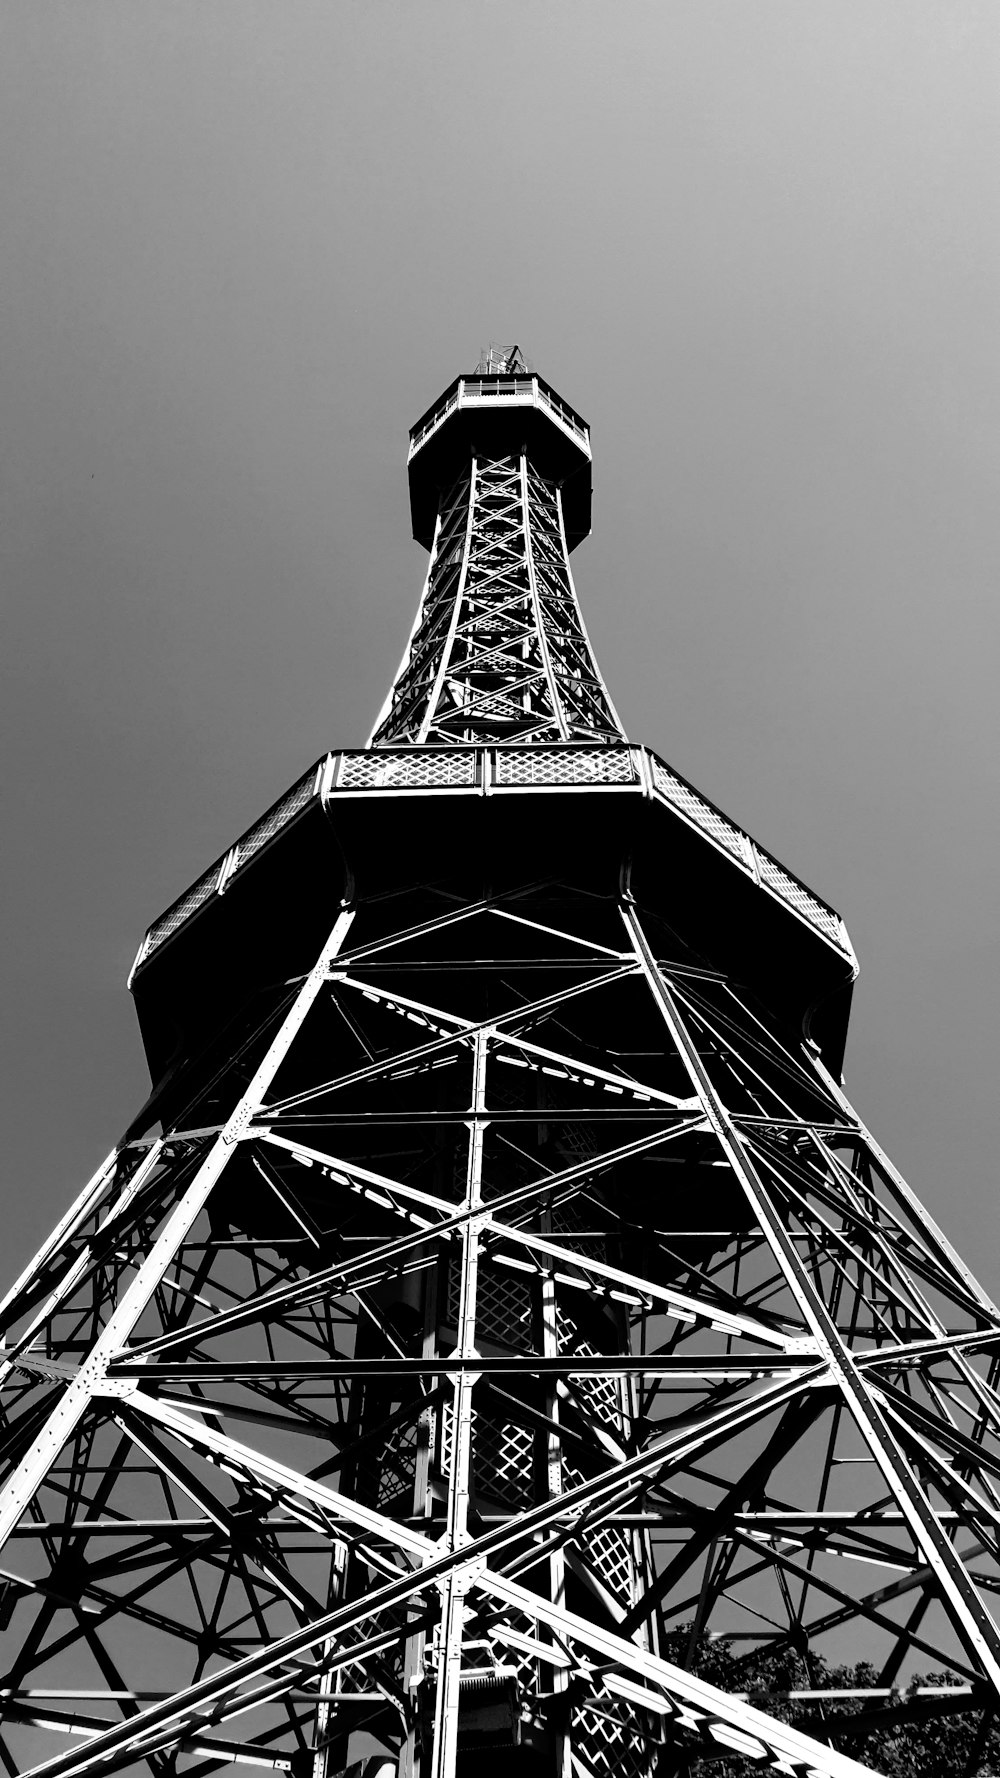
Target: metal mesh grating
[[246, 848], [503, 1307], [799, 897], [276, 818], [682, 797], [526, 1665], [502, 1455], [564, 765], [383, 771], [610, 1554], [577, 1144], [607, 1550], [398, 1465], [182, 910], [390, 1471], [503, 1311], [602, 1395], [617, 1740], [446, 1424], [687, 801], [364, 771]]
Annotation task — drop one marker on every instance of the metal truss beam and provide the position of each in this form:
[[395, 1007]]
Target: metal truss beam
[[583, 1401], [499, 651]]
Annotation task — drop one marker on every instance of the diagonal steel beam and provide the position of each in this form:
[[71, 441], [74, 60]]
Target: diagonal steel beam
[[335, 1279], [904, 1192], [226, 1693], [464, 1031], [974, 1623], [695, 1704], [689, 1307], [76, 1398]]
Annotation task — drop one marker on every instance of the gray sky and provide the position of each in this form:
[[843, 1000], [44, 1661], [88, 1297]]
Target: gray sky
[[244, 245]]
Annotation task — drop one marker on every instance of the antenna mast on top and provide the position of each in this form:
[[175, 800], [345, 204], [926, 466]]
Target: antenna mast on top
[[502, 361]]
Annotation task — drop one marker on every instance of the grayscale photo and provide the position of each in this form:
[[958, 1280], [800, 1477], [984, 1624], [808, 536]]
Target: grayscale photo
[[500, 976]]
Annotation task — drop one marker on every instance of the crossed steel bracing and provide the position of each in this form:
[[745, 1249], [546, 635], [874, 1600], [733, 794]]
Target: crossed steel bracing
[[499, 651], [506, 1296]]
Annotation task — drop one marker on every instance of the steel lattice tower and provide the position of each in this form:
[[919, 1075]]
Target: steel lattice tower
[[496, 1296]]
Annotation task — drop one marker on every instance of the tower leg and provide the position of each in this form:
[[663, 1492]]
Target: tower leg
[[449, 1661], [92, 1378]]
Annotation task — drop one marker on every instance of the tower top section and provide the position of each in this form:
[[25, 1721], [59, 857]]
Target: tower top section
[[500, 412], [500, 492], [503, 361]]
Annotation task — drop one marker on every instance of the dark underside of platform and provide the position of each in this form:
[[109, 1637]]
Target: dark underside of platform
[[270, 925]]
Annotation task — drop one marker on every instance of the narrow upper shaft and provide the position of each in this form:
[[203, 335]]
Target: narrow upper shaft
[[499, 652], [500, 491]]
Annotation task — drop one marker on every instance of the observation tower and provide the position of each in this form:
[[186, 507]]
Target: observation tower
[[496, 1301]]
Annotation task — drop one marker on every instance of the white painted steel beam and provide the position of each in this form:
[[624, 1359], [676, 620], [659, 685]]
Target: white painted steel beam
[[26, 1478], [966, 1606]]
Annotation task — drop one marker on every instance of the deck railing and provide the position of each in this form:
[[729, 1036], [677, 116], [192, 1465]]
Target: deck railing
[[451, 771], [485, 391]]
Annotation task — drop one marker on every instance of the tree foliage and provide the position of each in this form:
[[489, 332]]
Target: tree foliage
[[909, 1736]]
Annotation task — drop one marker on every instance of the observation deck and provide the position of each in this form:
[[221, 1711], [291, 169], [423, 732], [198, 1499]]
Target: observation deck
[[520, 410], [363, 820]]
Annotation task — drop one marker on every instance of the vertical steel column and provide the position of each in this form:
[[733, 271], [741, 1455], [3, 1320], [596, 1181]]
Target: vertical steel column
[[330, 1684], [453, 1590], [432, 710], [536, 604], [554, 1484], [413, 1659]]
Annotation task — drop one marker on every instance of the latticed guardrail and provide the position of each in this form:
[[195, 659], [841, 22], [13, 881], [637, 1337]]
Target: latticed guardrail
[[495, 770], [485, 391]]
